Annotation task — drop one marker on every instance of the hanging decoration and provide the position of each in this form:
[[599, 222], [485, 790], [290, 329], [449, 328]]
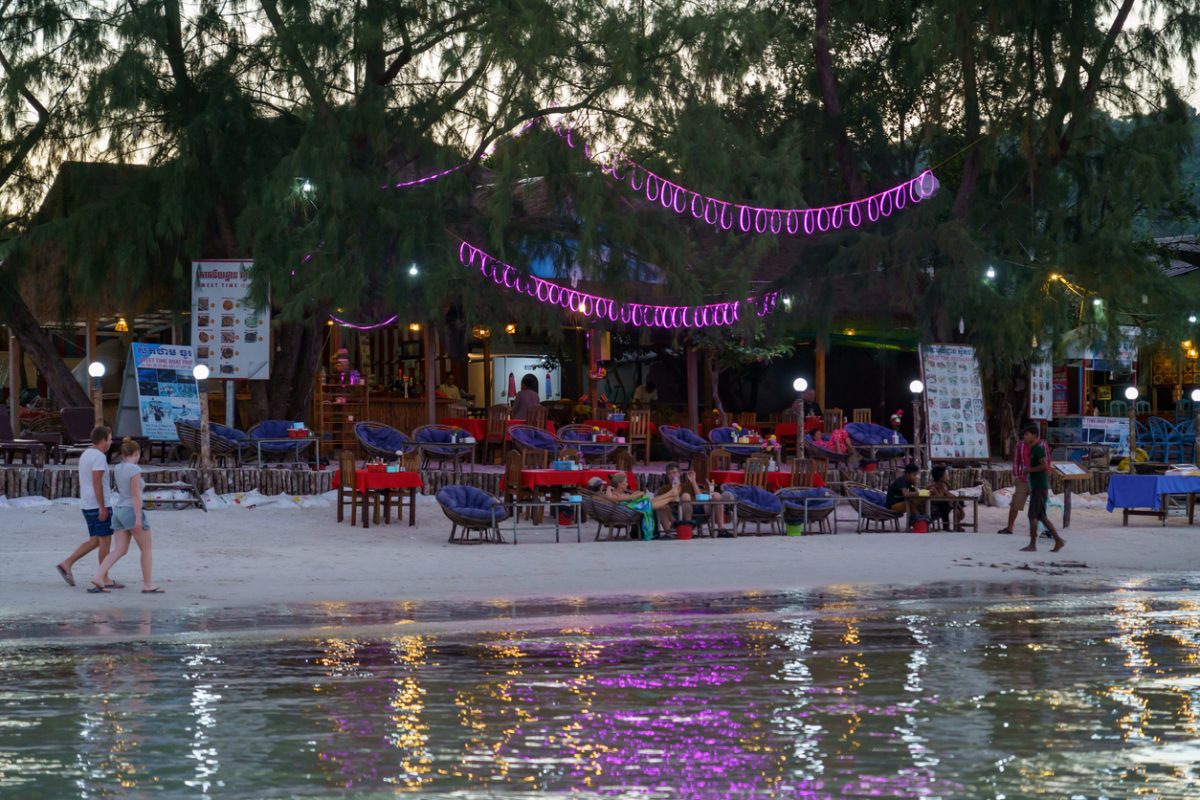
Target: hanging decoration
[[743, 217], [596, 307], [371, 327]]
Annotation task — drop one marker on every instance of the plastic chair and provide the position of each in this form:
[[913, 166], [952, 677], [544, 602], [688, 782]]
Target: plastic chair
[[1118, 408], [1167, 439]]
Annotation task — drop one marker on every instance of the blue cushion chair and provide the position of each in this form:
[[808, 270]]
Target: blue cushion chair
[[818, 502], [474, 511], [725, 437], [873, 507], [527, 437], [757, 505], [275, 429], [235, 441], [818, 452], [430, 436], [867, 434], [682, 443], [382, 441], [579, 438]]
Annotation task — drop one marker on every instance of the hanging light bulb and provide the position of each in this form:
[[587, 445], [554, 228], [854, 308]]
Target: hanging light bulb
[[122, 326], [1097, 302], [991, 273], [583, 307], [1035, 342], [412, 269], [1192, 319], [962, 326]]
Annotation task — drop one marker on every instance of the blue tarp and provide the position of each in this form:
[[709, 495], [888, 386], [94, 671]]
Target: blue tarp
[[1146, 491]]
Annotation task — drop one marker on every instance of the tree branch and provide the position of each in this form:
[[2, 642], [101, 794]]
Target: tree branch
[[34, 135], [292, 51]]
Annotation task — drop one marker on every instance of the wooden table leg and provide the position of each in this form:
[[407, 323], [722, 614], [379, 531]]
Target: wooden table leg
[[1191, 507], [365, 496], [1066, 505], [412, 507]]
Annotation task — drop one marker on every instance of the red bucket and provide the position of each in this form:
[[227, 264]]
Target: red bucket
[[683, 530], [869, 466], [920, 526]]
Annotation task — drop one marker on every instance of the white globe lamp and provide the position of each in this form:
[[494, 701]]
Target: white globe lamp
[[800, 384]]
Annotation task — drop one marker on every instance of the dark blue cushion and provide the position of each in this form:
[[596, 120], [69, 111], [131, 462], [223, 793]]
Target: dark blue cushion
[[755, 497], [434, 435], [872, 496], [870, 433], [793, 501], [474, 504], [683, 438], [226, 432], [721, 435], [388, 439], [535, 438]]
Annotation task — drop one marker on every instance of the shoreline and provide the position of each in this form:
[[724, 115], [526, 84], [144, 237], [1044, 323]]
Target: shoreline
[[266, 558]]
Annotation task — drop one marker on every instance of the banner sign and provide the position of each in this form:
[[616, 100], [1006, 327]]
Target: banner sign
[[230, 335], [1041, 390], [954, 410], [166, 388], [1060, 391]]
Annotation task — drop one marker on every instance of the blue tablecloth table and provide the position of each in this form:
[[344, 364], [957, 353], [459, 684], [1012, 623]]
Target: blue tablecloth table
[[1142, 495]]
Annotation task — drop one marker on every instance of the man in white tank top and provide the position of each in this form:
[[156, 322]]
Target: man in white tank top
[[95, 500]]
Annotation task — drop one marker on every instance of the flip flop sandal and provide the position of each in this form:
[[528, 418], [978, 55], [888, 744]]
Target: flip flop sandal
[[114, 585], [96, 588], [66, 575], [155, 590]]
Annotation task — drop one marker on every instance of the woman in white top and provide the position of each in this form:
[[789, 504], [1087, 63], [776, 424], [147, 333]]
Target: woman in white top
[[129, 519]]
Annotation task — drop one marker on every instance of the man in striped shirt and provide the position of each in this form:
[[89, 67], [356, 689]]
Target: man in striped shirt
[[1020, 471]]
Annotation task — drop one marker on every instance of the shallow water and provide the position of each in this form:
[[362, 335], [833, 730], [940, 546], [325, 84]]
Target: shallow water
[[998, 694]]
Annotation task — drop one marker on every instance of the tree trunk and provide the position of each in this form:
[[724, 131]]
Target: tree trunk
[[40, 348], [831, 101]]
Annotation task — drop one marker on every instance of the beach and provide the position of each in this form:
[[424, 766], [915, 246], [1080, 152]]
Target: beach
[[239, 557]]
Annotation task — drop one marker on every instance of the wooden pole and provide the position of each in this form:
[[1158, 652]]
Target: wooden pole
[[14, 382], [693, 390], [205, 440], [487, 374], [430, 385], [1132, 430], [1195, 428]]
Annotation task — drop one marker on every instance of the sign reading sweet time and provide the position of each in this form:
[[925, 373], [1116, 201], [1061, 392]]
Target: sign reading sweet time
[[230, 334]]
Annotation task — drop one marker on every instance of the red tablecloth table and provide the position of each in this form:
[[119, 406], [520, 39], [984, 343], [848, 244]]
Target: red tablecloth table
[[478, 427], [775, 480], [612, 426], [535, 478], [366, 482], [788, 429]]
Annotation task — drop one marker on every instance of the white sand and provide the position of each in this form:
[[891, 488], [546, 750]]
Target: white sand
[[239, 557]]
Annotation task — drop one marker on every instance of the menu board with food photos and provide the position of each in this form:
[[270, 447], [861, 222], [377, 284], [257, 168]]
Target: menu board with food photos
[[954, 409], [229, 333], [1041, 390]]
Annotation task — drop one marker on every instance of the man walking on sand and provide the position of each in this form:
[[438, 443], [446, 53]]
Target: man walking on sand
[[95, 499], [1039, 492], [1020, 473]]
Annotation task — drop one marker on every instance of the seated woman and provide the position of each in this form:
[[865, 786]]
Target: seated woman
[[940, 487], [686, 488], [618, 491]]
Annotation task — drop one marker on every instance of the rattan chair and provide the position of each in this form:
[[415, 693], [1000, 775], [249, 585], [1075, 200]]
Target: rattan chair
[[819, 509], [223, 451], [872, 508], [754, 507], [611, 517], [682, 443], [472, 511], [429, 437], [381, 441], [527, 437], [579, 438]]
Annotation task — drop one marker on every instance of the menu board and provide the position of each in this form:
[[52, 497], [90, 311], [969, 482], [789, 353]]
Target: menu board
[[1041, 390], [166, 388], [1060, 391], [954, 409], [229, 333]]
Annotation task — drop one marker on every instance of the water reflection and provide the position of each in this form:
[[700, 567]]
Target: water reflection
[[918, 697]]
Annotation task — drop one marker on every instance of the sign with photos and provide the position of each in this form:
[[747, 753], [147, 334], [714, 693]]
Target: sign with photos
[[956, 417], [230, 334]]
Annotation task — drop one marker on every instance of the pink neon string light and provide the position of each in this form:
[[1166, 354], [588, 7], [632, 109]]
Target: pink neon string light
[[601, 308], [743, 217], [359, 327]]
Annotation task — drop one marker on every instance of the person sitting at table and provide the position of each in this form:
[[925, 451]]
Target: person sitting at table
[[527, 398], [618, 492], [806, 406], [645, 394], [449, 388], [903, 495], [940, 487], [687, 489]]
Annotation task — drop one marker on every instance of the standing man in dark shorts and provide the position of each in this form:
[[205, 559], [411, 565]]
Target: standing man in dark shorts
[[95, 499], [1039, 492]]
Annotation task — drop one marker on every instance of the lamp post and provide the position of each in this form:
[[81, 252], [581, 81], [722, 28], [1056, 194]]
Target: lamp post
[[1131, 395], [1196, 425], [917, 388], [800, 386], [96, 371], [200, 372]]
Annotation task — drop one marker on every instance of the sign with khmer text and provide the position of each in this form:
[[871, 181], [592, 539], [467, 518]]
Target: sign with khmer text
[[230, 335]]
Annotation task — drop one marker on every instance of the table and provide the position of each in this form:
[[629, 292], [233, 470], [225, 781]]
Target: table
[[711, 520], [517, 507], [455, 446], [872, 450], [790, 429], [1092, 451], [775, 480], [31, 447], [299, 444], [974, 501], [616, 427], [1068, 480], [478, 427], [1143, 495], [535, 478], [367, 482]]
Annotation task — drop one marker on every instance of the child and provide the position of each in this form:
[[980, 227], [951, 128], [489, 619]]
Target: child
[[128, 519], [940, 488]]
